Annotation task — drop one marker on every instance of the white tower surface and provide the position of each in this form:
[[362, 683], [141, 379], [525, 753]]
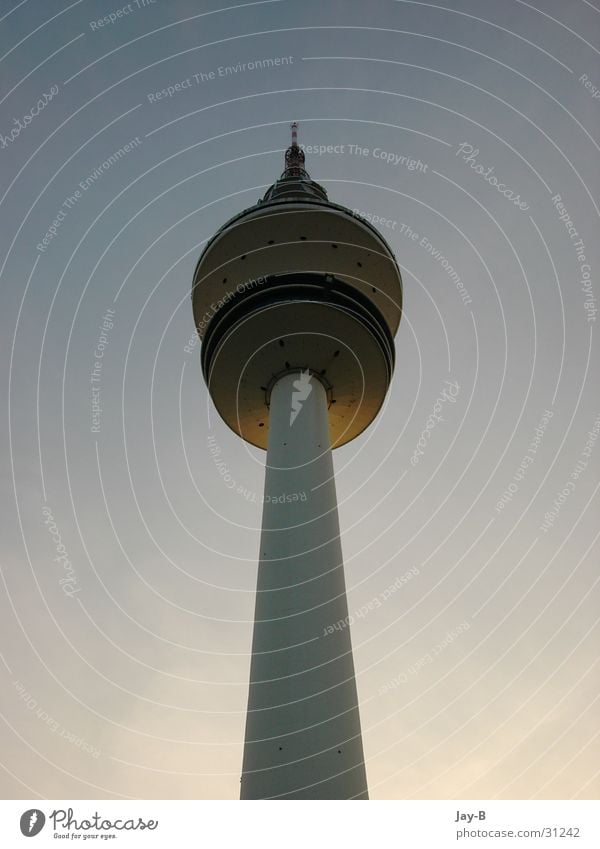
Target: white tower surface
[[297, 302]]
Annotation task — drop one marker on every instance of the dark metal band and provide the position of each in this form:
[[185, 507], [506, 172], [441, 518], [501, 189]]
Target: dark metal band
[[301, 287]]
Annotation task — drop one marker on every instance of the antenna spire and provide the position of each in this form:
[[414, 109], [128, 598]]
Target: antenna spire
[[294, 156]]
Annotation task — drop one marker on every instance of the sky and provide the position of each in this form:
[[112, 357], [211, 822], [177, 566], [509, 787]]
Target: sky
[[128, 134]]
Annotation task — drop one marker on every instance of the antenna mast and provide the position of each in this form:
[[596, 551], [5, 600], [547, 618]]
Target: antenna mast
[[294, 156]]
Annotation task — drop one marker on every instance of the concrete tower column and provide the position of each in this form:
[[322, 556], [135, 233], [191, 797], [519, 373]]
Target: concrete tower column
[[303, 736]]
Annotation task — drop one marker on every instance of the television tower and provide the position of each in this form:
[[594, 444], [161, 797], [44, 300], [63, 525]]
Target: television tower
[[297, 302]]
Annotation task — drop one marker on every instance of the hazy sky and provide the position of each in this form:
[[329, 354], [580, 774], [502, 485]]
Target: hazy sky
[[128, 567]]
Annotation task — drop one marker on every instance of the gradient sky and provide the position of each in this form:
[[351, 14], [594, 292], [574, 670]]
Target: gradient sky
[[478, 677]]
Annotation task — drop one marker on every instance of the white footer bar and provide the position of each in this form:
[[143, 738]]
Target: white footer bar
[[301, 825]]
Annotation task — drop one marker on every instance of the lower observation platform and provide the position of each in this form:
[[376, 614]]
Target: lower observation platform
[[291, 322]]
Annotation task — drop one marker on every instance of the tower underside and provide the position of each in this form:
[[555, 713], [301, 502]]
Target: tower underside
[[303, 735]]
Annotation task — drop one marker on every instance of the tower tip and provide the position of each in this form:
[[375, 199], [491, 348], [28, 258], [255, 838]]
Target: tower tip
[[294, 156]]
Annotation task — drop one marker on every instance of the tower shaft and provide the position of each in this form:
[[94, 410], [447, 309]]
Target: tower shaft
[[303, 737]]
